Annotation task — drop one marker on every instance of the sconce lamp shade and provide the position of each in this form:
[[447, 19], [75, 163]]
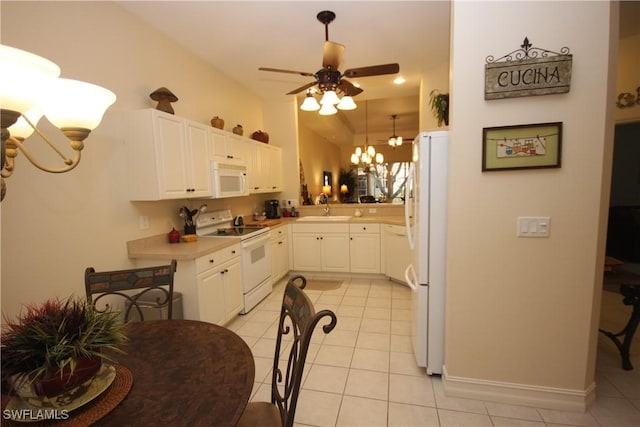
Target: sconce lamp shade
[[23, 78], [326, 189], [347, 103], [22, 129], [310, 104], [76, 104], [344, 189]]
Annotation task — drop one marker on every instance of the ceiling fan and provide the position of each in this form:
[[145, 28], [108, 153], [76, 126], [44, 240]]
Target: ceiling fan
[[329, 78], [395, 140]]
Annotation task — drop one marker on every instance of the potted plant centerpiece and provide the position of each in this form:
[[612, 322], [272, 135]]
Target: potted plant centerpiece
[[56, 346]]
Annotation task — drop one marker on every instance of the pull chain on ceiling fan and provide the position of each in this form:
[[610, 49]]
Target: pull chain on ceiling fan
[[329, 80]]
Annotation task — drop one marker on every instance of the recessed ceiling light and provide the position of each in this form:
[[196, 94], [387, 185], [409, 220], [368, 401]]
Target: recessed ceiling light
[[399, 80]]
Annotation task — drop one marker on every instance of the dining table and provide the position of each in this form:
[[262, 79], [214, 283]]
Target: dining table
[[172, 373]]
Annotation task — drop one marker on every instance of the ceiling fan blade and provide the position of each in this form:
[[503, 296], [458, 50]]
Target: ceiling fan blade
[[332, 55], [277, 70], [348, 88], [374, 70], [301, 88]]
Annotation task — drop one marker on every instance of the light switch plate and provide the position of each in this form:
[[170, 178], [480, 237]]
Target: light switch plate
[[533, 226]]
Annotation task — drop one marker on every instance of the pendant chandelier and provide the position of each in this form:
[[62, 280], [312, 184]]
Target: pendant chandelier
[[394, 140], [366, 155]]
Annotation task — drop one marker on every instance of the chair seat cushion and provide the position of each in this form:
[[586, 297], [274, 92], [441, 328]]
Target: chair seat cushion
[[260, 414]]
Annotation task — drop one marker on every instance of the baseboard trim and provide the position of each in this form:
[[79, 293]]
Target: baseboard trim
[[519, 394]]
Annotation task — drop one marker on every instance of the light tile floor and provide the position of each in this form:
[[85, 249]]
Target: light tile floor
[[363, 373]]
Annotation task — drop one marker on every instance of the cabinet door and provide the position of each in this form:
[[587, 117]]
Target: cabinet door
[[258, 179], [397, 252], [274, 169], [172, 156], [364, 251], [197, 163], [306, 252], [211, 297], [335, 252], [217, 144], [233, 297]]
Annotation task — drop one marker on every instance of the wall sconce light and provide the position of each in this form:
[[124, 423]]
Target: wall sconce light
[[326, 189], [344, 189], [29, 88]]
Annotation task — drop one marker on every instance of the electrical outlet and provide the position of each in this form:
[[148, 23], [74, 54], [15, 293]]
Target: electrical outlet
[[144, 222]]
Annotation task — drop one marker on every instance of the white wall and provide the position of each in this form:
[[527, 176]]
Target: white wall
[[522, 313], [54, 226]]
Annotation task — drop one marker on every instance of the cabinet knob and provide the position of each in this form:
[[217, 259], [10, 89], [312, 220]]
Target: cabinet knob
[[211, 261], [364, 228], [233, 252], [350, 238]]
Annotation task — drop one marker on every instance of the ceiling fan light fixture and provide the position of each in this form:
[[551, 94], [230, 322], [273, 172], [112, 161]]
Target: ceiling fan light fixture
[[394, 140], [327, 110], [310, 103], [330, 97], [347, 103]]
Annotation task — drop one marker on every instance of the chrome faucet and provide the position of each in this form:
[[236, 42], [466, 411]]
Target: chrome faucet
[[324, 200]]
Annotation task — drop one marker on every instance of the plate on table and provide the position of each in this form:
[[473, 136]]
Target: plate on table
[[34, 408]]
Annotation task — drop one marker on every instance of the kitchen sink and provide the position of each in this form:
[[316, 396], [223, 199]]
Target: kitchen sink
[[331, 218]]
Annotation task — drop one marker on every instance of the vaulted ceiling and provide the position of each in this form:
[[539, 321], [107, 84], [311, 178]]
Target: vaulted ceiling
[[237, 37]]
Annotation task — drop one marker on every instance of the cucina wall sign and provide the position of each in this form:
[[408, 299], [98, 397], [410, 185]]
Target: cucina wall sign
[[528, 71]]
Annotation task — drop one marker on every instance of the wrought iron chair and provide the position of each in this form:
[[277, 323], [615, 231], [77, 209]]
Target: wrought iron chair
[[298, 318], [152, 283]]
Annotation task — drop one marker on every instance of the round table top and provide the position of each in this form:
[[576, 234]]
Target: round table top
[[185, 373], [181, 373]]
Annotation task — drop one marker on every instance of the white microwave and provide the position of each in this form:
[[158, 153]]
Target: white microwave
[[229, 178]]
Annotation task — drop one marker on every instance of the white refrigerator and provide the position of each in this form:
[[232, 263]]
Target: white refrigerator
[[426, 221]]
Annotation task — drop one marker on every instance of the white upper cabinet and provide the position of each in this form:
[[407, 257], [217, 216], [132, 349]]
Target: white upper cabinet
[[167, 156], [265, 169], [228, 146]]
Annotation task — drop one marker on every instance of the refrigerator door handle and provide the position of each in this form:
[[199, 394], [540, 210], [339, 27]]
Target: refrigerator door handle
[[410, 277], [411, 179]]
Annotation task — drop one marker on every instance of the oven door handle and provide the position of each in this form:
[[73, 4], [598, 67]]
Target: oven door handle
[[254, 242]]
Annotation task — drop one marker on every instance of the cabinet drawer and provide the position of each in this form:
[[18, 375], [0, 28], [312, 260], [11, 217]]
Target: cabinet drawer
[[319, 228], [364, 228], [216, 258]]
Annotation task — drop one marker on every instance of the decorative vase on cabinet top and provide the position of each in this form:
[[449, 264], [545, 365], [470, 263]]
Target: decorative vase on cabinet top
[[238, 130], [217, 122]]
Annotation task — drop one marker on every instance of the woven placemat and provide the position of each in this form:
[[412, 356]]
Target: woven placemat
[[94, 410]]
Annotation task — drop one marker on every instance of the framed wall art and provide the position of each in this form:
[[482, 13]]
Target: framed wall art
[[522, 146]]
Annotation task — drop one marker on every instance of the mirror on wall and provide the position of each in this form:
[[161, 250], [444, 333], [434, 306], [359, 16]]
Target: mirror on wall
[[326, 144]]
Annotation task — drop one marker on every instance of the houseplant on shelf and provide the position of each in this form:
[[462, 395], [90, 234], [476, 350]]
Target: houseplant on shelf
[[55, 346], [439, 103]]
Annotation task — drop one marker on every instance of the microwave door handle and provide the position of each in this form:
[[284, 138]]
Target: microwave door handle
[[243, 183]]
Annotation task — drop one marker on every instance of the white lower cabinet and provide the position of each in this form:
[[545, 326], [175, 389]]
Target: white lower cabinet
[[397, 253], [320, 247], [279, 252], [364, 248], [219, 285]]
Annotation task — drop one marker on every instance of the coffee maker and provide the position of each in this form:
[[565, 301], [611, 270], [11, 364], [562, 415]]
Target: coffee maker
[[271, 208]]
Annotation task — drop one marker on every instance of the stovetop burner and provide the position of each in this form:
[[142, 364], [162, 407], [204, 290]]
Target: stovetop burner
[[235, 231], [219, 224]]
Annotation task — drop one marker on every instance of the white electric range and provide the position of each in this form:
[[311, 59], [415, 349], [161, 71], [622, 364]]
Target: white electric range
[[255, 252]]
